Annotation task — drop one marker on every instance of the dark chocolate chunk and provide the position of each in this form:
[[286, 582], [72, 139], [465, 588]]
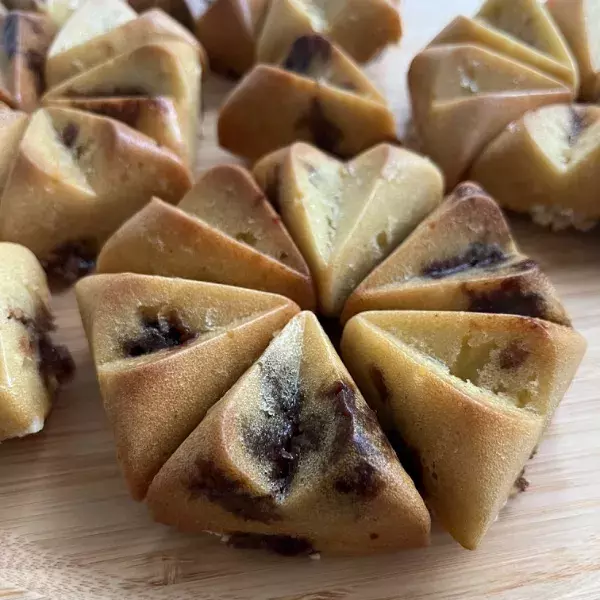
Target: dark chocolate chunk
[[324, 133], [477, 255], [509, 298], [284, 545], [216, 486], [69, 262], [69, 135], [378, 380], [362, 480], [513, 356], [10, 34], [577, 125], [521, 484], [305, 51], [55, 363], [160, 332]]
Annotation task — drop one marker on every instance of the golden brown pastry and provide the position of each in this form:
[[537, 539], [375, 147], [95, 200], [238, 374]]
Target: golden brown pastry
[[293, 460], [165, 351], [347, 217], [169, 68], [32, 367], [578, 21], [546, 164], [223, 231], [555, 61], [463, 95], [363, 28], [69, 55], [154, 116], [328, 102], [12, 128], [228, 31], [467, 396], [25, 41], [462, 257], [85, 175]]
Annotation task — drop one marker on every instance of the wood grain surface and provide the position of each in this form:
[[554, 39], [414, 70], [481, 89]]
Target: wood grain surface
[[68, 530]]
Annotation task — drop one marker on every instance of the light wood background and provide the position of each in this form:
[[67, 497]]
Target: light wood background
[[68, 530]]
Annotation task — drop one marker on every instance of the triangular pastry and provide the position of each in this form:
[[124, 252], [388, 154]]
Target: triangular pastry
[[467, 395], [363, 28], [347, 217], [463, 95], [292, 459], [529, 23], [77, 57], [228, 30], [90, 20], [25, 40], [154, 116], [32, 367], [169, 68], [165, 351], [86, 175], [462, 257], [578, 21], [546, 164], [223, 231], [12, 127], [329, 102]]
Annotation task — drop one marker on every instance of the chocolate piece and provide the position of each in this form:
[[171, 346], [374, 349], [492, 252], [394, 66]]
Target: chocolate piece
[[305, 51], [325, 134], [521, 484], [69, 135], [55, 363], [578, 124], [363, 481], [279, 544], [160, 332], [477, 255], [70, 261], [509, 298], [513, 356], [209, 481]]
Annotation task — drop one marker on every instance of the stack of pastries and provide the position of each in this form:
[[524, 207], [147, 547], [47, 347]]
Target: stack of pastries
[[233, 412]]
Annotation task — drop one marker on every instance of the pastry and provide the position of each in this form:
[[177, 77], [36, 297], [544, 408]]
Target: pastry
[[12, 128], [168, 68], [363, 28], [86, 175], [223, 231], [154, 116], [228, 31], [291, 458], [25, 40], [318, 95], [33, 367], [461, 258], [165, 351], [464, 95], [69, 55], [546, 164], [347, 217], [578, 21], [467, 397]]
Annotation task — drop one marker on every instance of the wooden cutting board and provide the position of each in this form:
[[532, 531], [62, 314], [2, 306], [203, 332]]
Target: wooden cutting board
[[68, 530]]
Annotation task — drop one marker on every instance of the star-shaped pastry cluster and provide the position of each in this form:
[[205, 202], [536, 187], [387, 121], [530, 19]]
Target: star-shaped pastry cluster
[[492, 98], [116, 125], [449, 329]]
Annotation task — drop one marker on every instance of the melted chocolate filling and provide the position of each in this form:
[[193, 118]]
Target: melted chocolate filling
[[160, 332], [216, 486], [305, 51], [55, 363], [284, 545], [478, 255], [69, 262]]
